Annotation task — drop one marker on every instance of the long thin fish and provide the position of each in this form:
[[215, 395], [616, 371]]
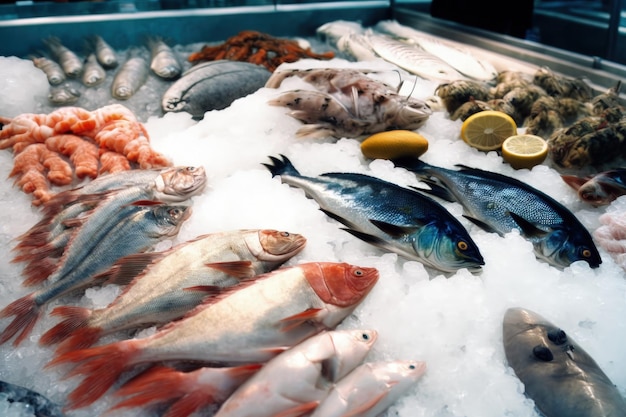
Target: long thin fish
[[70, 62], [131, 76]]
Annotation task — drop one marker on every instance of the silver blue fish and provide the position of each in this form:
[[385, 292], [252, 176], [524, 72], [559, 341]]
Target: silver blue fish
[[498, 203], [558, 375], [388, 216]]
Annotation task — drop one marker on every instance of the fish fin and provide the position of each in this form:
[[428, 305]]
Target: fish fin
[[436, 189], [340, 219], [366, 237], [26, 313], [299, 410], [76, 222], [275, 351], [126, 269], [527, 228], [297, 319], [315, 131], [237, 269], [101, 365], [140, 203], [574, 181], [281, 166], [209, 289], [74, 319], [485, 226], [367, 405], [393, 229], [354, 94]]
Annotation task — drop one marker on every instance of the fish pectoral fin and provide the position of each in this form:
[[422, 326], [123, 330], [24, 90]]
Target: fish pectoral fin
[[140, 203], [128, 268], [528, 229], [367, 405], [366, 237], [574, 181], [485, 226], [296, 320], [208, 289], [237, 269], [75, 222], [435, 189], [340, 219], [299, 410], [394, 229]]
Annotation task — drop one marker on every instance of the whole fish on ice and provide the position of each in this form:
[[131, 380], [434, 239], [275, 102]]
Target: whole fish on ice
[[388, 216], [51, 68], [104, 52], [370, 389], [296, 381], [63, 95], [331, 32], [252, 322], [157, 291], [70, 62], [34, 403], [164, 62], [132, 74], [599, 189], [558, 375], [213, 85], [93, 73], [498, 203]]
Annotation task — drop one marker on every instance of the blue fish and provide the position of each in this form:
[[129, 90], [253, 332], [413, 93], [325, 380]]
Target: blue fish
[[498, 203], [39, 405], [388, 216]]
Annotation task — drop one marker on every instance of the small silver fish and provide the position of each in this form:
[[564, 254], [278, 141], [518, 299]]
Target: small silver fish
[[70, 62], [93, 73], [52, 69], [131, 76], [164, 62], [64, 95], [104, 52]]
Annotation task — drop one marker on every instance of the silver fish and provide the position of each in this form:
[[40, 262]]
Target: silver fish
[[388, 216], [164, 62], [93, 73], [558, 375], [63, 95], [370, 389], [51, 68], [104, 52], [131, 76], [252, 323], [313, 366], [156, 294], [498, 203], [213, 85], [70, 62], [135, 229]]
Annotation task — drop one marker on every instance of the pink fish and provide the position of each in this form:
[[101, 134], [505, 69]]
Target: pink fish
[[600, 189], [249, 323]]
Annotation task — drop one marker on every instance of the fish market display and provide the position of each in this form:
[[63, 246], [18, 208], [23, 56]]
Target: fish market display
[[391, 217], [370, 389], [558, 374], [257, 48], [63, 95], [159, 293], [251, 323], [132, 74], [499, 204], [601, 188], [294, 382], [70, 62], [30, 402], [163, 59], [93, 73], [213, 85], [104, 52], [611, 235], [51, 68], [347, 103]]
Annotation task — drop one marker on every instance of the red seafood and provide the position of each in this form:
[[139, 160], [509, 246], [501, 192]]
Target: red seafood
[[83, 154]]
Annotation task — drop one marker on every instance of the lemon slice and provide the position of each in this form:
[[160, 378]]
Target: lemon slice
[[394, 144], [524, 151], [486, 130]]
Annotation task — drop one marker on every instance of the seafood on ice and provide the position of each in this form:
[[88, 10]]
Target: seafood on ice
[[133, 73], [53, 149], [163, 62], [599, 189], [611, 235], [347, 103]]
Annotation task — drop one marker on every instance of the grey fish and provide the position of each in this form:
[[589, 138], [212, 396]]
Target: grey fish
[[51, 68], [391, 217], [131, 76], [64, 95], [93, 73], [213, 85], [70, 62], [164, 62], [135, 228], [498, 203], [38, 405], [558, 375], [601, 188], [157, 292], [104, 52]]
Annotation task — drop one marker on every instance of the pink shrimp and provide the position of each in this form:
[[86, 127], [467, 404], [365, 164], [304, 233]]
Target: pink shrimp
[[102, 117], [24, 130], [113, 162], [82, 153]]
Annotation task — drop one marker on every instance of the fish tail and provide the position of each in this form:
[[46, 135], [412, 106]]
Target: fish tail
[[281, 166], [37, 272], [102, 366], [75, 320], [27, 313]]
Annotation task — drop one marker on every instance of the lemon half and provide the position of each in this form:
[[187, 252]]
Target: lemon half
[[486, 130], [524, 151]]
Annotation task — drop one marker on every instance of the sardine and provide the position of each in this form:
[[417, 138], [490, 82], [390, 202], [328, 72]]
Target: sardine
[[558, 375], [157, 292], [296, 381], [51, 68], [70, 62], [93, 73], [37, 404], [135, 228], [104, 52], [251, 323], [600, 189], [370, 389], [498, 203], [163, 62], [388, 216], [63, 95], [131, 76], [213, 85]]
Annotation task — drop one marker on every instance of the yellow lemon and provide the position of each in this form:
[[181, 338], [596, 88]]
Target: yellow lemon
[[486, 130], [524, 151], [394, 144]]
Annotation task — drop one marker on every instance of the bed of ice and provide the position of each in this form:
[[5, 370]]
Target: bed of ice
[[451, 322]]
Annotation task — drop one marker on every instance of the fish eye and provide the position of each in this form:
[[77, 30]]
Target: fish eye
[[557, 336], [586, 253], [543, 353], [175, 212], [411, 366], [358, 272], [462, 245], [365, 336], [285, 234]]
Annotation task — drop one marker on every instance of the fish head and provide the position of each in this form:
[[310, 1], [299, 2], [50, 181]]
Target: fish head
[[180, 183], [340, 284], [275, 246], [594, 192], [561, 248], [170, 218], [173, 103], [399, 372], [447, 247], [413, 114], [345, 350]]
